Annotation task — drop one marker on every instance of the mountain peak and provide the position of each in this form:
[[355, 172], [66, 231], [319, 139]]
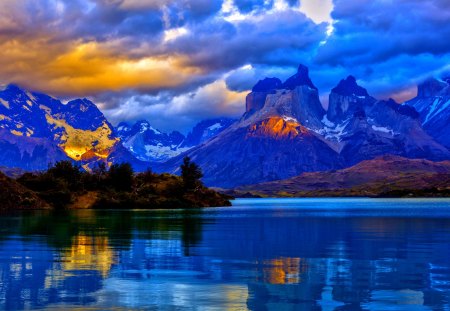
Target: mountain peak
[[82, 104], [123, 124], [267, 85], [300, 78], [349, 87], [207, 129], [143, 126], [402, 109], [14, 87], [142, 122], [430, 87], [13, 90]]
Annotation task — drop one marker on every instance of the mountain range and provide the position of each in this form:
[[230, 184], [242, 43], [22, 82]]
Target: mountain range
[[37, 130], [284, 132]]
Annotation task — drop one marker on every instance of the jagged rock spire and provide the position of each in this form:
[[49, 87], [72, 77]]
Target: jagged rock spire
[[349, 87], [267, 85], [299, 79]]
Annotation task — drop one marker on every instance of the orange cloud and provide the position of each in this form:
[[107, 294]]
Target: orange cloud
[[86, 68]]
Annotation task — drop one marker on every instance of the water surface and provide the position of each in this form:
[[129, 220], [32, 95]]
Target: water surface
[[260, 254]]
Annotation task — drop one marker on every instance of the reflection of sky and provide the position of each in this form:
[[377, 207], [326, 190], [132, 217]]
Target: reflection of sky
[[406, 299], [158, 291], [245, 262]]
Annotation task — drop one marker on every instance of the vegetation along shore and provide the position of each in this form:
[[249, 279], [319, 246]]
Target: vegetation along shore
[[66, 186]]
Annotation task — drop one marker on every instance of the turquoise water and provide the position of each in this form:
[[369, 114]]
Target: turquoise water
[[260, 254]]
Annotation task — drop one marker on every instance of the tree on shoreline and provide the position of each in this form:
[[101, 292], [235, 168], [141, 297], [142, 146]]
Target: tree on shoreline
[[65, 185], [191, 174], [121, 177]]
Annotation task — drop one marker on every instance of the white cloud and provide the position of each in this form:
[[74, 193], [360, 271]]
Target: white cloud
[[183, 111], [174, 33], [318, 10]]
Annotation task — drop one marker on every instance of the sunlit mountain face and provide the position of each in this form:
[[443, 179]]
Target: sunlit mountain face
[[76, 130]]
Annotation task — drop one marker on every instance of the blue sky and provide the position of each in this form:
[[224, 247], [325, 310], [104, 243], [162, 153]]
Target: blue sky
[[175, 62]]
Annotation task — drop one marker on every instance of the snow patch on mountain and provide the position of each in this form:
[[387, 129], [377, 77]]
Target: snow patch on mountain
[[383, 129], [327, 122], [161, 152], [4, 103], [335, 133], [290, 119], [31, 96], [439, 104], [214, 127]]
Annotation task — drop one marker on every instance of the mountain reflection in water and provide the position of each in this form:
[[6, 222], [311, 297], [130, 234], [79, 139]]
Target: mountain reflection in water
[[306, 254]]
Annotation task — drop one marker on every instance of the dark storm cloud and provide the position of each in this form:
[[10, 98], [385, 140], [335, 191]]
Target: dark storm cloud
[[389, 45], [272, 39], [376, 30], [184, 60]]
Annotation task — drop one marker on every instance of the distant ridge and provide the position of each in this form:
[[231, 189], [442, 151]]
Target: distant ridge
[[383, 176]]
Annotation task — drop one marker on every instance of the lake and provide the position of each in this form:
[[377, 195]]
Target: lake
[[260, 254]]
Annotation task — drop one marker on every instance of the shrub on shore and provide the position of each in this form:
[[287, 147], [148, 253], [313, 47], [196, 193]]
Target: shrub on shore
[[66, 185]]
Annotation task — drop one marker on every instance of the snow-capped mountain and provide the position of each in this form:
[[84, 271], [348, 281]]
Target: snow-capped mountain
[[433, 104], [285, 131], [363, 127], [149, 144], [38, 129]]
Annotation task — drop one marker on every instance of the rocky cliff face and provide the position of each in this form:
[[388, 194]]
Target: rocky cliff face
[[365, 128], [347, 99], [285, 131], [271, 141], [257, 98], [297, 98], [269, 149], [433, 105]]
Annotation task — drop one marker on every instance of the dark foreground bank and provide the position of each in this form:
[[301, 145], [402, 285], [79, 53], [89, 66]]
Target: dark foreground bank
[[67, 186]]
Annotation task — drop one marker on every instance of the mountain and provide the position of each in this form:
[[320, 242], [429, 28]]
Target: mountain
[[149, 144], [285, 131], [363, 127], [28, 153], [36, 129], [273, 140], [206, 130], [433, 104], [386, 175]]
